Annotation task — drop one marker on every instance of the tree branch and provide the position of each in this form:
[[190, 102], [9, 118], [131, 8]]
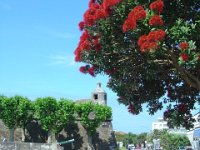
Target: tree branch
[[190, 79]]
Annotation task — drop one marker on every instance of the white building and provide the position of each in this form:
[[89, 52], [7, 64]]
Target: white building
[[99, 95], [194, 133], [159, 124]]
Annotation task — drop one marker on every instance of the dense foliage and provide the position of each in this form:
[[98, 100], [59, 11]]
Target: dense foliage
[[168, 140], [15, 112], [149, 49], [53, 115], [130, 138], [91, 115]]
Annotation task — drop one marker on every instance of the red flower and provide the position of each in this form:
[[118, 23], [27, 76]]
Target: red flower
[[131, 108], [166, 114], [86, 45], [109, 3], [184, 57], [157, 6], [77, 58], [94, 13], [148, 46], [91, 2], [156, 21], [160, 34], [97, 45], [129, 24], [183, 45], [108, 72], [137, 13], [182, 108], [152, 36], [83, 69], [140, 15], [84, 36], [137, 9], [144, 47], [153, 46], [142, 39], [89, 17], [100, 13], [81, 25], [91, 71]]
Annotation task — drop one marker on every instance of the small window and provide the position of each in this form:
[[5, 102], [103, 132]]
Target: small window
[[95, 96], [105, 97]]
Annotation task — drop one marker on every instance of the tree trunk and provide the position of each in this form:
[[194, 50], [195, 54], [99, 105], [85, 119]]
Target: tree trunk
[[90, 145], [11, 138], [51, 137], [23, 134]]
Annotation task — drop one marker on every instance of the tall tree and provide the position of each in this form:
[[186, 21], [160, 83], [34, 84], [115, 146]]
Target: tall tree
[[15, 113], [54, 115], [65, 113], [149, 49], [45, 113], [91, 116]]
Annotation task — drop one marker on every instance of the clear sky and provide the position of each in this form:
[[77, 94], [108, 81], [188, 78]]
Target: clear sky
[[37, 41]]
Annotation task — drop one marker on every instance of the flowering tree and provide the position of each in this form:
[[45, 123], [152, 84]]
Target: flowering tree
[[149, 50]]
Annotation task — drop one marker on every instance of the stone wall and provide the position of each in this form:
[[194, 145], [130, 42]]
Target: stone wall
[[103, 139]]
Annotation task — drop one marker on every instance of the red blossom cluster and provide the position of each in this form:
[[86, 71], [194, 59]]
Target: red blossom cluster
[[138, 13], [96, 11], [182, 108], [184, 57], [88, 69], [150, 42], [184, 45], [84, 44], [131, 108], [156, 21], [166, 114], [81, 25], [157, 6], [87, 42], [107, 4]]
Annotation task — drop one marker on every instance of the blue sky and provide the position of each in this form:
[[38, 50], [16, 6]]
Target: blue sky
[[37, 41]]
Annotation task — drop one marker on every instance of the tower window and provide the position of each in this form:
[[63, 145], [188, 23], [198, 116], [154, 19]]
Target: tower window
[[95, 96], [105, 97]]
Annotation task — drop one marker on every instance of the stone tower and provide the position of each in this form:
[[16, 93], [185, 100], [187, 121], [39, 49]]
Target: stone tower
[[99, 95]]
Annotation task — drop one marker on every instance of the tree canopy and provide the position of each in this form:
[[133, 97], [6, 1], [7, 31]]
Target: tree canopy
[[149, 49], [92, 115], [52, 115], [168, 140]]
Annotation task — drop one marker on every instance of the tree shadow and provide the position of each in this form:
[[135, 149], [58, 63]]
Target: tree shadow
[[34, 133], [71, 131]]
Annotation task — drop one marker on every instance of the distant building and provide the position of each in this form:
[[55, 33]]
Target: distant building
[[159, 124], [194, 133], [106, 136], [99, 95]]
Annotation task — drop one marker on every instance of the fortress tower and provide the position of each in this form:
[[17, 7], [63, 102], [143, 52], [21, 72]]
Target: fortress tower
[[99, 95]]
